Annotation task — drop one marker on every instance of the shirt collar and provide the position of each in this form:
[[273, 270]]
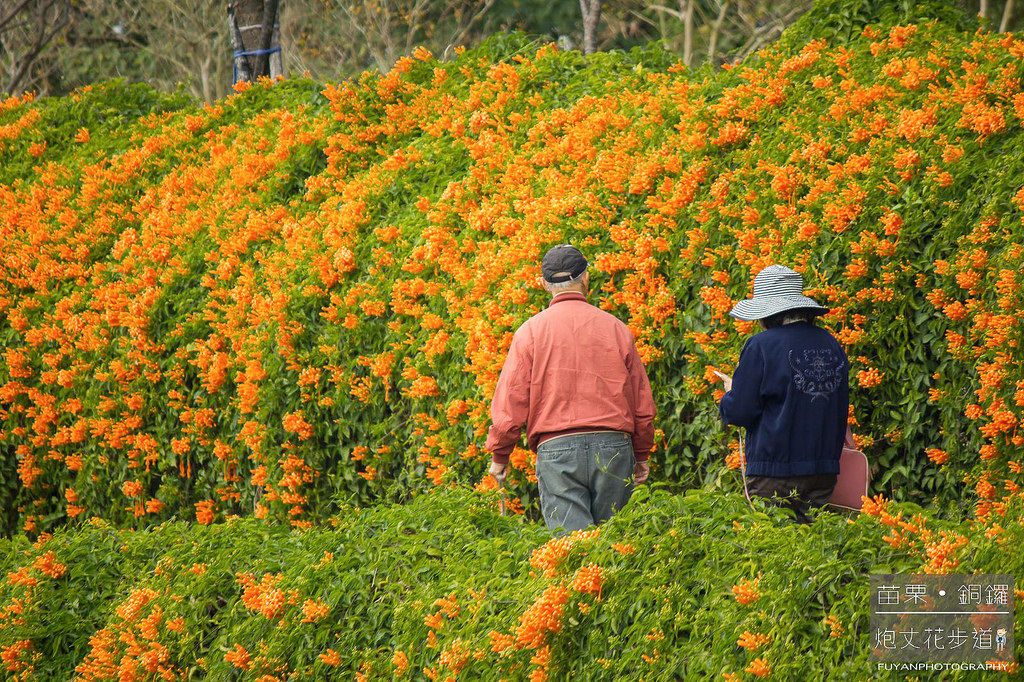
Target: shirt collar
[[567, 296]]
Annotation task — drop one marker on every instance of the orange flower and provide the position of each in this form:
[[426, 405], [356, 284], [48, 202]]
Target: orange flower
[[448, 606], [294, 422], [204, 512], [873, 506], [455, 656], [549, 556], [132, 488], [239, 657], [759, 667], [735, 458], [331, 658], [542, 617], [47, 563], [752, 641], [589, 578], [869, 378], [500, 642], [11, 654], [263, 597], [433, 621], [130, 609], [746, 591], [313, 610], [942, 553], [486, 483], [422, 387]]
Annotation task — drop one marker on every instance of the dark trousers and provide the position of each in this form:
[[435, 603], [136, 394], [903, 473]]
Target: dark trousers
[[798, 493]]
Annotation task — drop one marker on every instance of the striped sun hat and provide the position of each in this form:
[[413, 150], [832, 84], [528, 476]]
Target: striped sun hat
[[776, 289]]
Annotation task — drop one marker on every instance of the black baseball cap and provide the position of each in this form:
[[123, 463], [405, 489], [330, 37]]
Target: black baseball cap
[[562, 263]]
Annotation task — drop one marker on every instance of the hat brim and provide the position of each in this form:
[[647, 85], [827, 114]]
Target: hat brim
[[750, 309]]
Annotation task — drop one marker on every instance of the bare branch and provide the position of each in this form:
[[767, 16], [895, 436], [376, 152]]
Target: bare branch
[[716, 28], [415, 17], [42, 38], [688, 32], [162, 52], [13, 13], [675, 13], [457, 39]]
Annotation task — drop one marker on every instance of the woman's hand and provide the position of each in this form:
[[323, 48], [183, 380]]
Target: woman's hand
[[726, 379]]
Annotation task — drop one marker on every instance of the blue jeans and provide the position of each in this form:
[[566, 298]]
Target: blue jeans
[[584, 478]]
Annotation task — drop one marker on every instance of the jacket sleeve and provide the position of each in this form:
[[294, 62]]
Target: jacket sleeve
[[510, 405], [742, 405], [643, 400]]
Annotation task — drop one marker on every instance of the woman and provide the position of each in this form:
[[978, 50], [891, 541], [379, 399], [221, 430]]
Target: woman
[[791, 394]]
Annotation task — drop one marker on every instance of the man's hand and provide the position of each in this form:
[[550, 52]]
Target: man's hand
[[497, 471], [641, 470]]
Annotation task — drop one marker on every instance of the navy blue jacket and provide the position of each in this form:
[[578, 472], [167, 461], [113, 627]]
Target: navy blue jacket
[[791, 393]]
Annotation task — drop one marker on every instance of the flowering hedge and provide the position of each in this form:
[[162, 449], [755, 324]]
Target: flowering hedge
[[303, 295], [694, 586], [293, 305]]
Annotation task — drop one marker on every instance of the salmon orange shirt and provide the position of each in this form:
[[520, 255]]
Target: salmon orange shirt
[[571, 368]]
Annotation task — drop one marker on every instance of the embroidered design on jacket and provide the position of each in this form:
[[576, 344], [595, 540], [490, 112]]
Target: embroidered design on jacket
[[818, 372]]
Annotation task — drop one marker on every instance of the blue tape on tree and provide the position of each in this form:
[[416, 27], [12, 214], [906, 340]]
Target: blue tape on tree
[[247, 53]]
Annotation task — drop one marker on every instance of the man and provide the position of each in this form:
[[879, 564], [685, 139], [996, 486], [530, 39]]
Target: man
[[574, 379]]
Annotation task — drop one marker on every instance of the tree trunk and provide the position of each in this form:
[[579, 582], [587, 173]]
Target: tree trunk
[[591, 18], [983, 9], [253, 25], [1004, 25], [205, 80], [266, 37], [242, 70], [688, 33], [276, 61]]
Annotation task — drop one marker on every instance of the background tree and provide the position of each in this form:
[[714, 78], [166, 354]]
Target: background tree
[[591, 10], [1004, 24], [167, 43], [717, 30], [54, 46], [344, 37], [28, 28], [255, 38]]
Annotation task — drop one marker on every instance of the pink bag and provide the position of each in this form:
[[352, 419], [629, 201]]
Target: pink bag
[[854, 477]]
